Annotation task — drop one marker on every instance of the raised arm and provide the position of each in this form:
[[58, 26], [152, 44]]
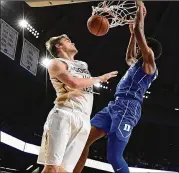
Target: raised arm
[[58, 70], [147, 53], [131, 49]]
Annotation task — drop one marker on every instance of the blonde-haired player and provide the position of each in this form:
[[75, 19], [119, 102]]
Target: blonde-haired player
[[68, 124]]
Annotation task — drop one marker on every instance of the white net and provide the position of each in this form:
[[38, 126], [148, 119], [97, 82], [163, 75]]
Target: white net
[[118, 13]]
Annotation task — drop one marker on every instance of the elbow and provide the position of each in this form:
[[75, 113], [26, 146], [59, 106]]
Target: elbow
[[131, 61], [128, 62], [128, 57], [129, 54]]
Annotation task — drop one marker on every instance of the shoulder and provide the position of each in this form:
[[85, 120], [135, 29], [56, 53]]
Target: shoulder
[[55, 64], [149, 57], [149, 65]]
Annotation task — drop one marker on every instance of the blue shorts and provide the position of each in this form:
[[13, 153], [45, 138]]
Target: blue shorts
[[119, 116]]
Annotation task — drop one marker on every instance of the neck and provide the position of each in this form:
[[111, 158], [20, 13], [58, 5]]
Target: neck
[[69, 56]]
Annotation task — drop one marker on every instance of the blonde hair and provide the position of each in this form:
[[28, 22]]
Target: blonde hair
[[50, 44]]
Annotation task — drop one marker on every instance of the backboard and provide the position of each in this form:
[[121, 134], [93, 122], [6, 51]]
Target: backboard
[[38, 3]]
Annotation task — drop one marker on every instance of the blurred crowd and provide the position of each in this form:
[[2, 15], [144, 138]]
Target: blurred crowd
[[140, 161]]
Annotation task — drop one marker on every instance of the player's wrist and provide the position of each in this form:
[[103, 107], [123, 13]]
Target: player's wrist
[[98, 79]]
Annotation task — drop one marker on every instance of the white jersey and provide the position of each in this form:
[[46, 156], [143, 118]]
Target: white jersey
[[81, 98]]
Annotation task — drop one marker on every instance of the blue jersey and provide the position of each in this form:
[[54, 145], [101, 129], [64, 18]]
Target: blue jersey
[[135, 83]]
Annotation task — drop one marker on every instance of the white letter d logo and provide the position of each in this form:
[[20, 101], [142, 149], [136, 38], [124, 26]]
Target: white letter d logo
[[127, 127]]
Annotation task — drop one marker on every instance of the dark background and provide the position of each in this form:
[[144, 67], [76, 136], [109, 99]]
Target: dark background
[[27, 99]]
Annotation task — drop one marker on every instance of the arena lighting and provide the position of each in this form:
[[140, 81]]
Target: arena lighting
[[89, 163], [29, 167], [10, 169], [13, 142], [30, 147], [23, 23], [176, 109], [148, 92], [45, 62], [97, 85], [36, 170]]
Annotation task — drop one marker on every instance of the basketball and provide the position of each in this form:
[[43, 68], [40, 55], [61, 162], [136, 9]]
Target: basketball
[[98, 25]]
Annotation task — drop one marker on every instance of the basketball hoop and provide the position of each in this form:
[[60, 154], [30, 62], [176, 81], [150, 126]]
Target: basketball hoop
[[118, 13]]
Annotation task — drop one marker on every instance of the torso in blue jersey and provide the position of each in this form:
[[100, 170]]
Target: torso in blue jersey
[[135, 83]]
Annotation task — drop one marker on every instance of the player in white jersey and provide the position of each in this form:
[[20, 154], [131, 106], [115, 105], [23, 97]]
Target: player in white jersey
[[68, 124]]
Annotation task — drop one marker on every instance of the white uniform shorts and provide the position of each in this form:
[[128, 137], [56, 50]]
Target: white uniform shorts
[[65, 134]]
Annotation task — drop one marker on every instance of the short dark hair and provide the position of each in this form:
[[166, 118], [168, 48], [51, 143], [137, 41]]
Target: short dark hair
[[50, 44], [156, 47]]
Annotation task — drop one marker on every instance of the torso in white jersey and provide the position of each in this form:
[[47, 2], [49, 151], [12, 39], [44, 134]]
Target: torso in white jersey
[[66, 96]]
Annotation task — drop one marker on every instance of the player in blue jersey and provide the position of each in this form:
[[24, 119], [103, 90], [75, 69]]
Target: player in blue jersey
[[118, 119]]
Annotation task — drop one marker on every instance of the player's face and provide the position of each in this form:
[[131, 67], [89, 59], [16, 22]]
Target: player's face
[[67, 45]]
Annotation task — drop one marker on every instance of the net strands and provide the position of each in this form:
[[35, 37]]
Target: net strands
[[117, 12]]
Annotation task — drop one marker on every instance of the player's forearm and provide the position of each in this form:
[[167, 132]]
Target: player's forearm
[[147, 53], [139, 31], [79, 83], [139, 21], [131, 50]]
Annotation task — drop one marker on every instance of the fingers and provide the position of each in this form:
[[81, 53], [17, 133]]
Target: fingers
[[113, 76], [142, 7], [144, 10], [114, 73], [139, 2], [107, 76], [130, 22]]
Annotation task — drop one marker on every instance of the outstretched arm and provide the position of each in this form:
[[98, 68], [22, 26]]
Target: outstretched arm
[[58, 70], [147, 53], [131, 49]]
